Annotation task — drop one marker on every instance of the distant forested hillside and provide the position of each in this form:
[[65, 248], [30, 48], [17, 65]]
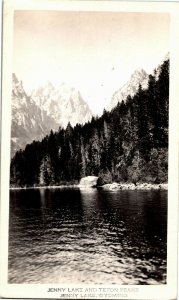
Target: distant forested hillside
[[127, 144]]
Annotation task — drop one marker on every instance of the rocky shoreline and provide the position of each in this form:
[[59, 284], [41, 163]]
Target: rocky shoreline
[[109, 186], [44, 187], [131, 186]]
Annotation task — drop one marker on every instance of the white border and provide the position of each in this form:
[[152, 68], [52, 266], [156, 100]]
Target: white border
[[168, 291]]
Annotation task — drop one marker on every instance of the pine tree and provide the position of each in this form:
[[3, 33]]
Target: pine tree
[[46, 175], [127, 144]]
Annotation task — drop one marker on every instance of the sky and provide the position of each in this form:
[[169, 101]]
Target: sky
[[95, 52]]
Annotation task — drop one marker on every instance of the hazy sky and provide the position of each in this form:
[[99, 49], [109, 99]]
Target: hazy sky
[[95, 52]]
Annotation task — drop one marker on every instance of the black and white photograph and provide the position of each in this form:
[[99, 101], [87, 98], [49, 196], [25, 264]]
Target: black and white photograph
[[89, 135]]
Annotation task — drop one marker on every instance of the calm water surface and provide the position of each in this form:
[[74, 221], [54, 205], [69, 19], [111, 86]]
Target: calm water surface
[[87, 236]]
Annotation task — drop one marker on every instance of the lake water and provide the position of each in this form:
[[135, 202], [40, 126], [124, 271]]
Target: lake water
[[87, 236]]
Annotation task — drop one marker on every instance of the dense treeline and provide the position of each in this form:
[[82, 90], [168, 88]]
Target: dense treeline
[[128, 144]]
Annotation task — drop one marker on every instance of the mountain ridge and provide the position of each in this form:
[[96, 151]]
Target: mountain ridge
[[50, 107], [128, 144], [139, 76], [33, 116]]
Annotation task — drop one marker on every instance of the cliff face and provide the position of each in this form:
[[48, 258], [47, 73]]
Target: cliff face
[[29, 121], [63, 103], [47, 108]]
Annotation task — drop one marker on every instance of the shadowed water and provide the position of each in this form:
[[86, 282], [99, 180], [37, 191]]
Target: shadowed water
[[87, 236]]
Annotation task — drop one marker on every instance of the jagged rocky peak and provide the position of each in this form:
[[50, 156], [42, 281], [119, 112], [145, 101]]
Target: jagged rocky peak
[[49, 90], [63, 102], [17, 87], [130, 87], [14, 78], [47, 108], [29, 121], [139, 74], [43, 90]]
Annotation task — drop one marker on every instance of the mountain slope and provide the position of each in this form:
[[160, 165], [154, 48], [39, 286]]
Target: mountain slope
[[29, 122], [127, 144], [47, 108], [129, 88], [63, 103]]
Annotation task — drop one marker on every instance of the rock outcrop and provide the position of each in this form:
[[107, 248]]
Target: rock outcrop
[[130, 186], [89, 181]]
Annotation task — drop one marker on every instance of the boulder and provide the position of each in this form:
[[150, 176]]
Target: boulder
[[163, 186], [89, 181], [114, 186]]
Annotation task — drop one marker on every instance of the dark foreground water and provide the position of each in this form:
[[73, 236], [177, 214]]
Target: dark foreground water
[[87, 236]]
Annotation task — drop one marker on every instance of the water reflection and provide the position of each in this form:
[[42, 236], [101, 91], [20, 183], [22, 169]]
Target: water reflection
[[91, 236]]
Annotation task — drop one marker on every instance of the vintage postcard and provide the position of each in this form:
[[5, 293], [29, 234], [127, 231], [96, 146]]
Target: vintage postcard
[[89, 149]]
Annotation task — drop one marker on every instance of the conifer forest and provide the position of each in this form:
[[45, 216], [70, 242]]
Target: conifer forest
[[127, 144]]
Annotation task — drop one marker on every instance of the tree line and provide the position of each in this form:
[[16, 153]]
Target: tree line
[[127, 144]]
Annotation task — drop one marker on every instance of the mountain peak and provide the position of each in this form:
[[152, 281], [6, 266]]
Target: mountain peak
[[47, 108], [139, 72], [64, 103], [14, 78], [17, 89], [167, 56], [139, 76], [48, 84]]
